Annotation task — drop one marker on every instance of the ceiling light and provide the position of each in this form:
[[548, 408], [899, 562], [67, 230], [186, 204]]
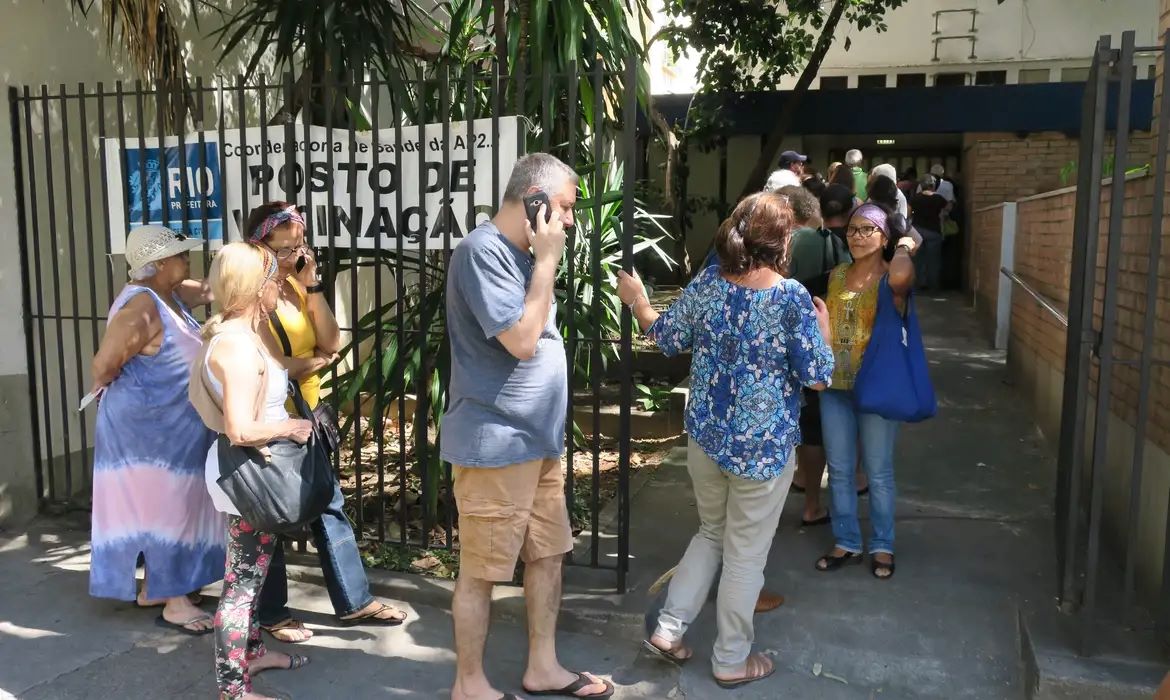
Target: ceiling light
[[886, 142]]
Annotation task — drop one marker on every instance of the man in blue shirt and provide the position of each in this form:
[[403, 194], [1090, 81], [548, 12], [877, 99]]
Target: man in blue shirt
[[504, 431]]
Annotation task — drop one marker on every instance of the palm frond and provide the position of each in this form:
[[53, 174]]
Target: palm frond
[[147, 30]]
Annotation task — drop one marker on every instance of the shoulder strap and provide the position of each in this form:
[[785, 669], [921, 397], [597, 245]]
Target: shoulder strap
[[281, 334], [829, 259]]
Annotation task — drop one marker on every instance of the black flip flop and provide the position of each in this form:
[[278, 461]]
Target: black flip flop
[[373, 619], [570, 690], [874, 565], [819, 521], [664, 654], [833, 563], [182, 626]]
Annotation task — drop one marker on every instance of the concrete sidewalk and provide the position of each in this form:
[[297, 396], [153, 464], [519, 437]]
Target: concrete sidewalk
[[58, 643], [974, 543], [975, 557]]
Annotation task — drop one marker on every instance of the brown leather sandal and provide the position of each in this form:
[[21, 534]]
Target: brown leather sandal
[[758, 667], [290, 631]]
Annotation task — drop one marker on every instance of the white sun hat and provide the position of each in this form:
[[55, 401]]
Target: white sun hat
[[147, 244]]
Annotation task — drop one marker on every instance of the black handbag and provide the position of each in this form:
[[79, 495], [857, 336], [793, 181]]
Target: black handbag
[[281, 489], [324, 414]]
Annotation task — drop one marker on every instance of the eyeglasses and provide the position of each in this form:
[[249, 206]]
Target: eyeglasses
[[861, 231], [283, 253]]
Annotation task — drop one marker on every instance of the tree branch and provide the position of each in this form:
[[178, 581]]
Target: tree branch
[[759, 173]]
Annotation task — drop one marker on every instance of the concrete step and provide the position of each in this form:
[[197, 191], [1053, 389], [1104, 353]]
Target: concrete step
[[1124, 664]]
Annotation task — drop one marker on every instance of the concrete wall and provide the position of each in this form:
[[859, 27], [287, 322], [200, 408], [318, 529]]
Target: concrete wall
[[1013, 36], [45, 43]]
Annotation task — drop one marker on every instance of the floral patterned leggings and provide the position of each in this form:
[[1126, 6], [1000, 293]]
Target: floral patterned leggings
[[237, 629]]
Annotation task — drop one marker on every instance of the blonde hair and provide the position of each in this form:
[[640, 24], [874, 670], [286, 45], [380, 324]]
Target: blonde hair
[[238, 275]]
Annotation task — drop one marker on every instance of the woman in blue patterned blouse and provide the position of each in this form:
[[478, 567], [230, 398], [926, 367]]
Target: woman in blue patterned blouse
[[756, 338]]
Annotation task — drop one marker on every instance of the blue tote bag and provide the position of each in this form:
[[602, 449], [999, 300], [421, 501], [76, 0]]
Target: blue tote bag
[[894, 379]]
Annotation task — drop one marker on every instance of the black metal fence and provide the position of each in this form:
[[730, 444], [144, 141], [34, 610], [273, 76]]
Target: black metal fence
[[384, 207], [1097, 580]]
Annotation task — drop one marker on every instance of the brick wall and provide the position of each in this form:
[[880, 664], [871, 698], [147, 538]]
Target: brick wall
[[1043, 253], [1003, 167], [986, 238]]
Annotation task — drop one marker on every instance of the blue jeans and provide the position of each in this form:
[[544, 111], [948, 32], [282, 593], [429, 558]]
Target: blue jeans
[[844, 429], [341, 562]]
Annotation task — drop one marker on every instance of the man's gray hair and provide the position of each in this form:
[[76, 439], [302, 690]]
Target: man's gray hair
[[540, 170], [853, 158]]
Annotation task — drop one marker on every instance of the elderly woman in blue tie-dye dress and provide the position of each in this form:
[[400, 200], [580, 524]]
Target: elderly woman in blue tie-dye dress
[[149, 497]]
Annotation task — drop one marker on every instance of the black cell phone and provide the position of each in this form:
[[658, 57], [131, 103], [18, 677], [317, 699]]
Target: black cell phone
[[301, 262], [532, 204]]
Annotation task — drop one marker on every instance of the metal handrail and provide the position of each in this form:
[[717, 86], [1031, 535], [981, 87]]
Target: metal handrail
[[1042, 300]]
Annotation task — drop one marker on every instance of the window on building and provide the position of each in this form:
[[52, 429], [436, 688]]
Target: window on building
[[912, 80], [1034, 75], [950, 79], [1074, 75], [871, 81], [834, 82], [991, 77]]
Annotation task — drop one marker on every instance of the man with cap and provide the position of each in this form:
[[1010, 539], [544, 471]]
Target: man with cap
[[790, 172]]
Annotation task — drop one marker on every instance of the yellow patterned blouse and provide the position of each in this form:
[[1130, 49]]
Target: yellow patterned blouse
[[851, 316], [303, 338]]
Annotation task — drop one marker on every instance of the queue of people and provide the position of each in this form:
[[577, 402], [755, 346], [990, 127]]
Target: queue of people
[[778, 326]]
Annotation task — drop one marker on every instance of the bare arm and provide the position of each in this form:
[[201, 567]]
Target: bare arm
[[324, 324], [548, 243], [520, 340], [238, 366], [194, 293], [298, 367], [644, 313], [320, 315], [902, 269], [127, 333]]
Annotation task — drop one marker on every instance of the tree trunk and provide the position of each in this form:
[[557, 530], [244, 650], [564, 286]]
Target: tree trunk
[[500, 15], [759, 174], [520, 74], [673, 191]]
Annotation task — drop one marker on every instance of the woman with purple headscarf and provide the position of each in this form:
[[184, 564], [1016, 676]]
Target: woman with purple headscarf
[[879, 256], [303, 332]]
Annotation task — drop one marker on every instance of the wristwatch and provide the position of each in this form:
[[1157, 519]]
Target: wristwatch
[[315, 289]]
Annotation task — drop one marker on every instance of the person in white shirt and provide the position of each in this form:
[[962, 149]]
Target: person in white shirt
[[889, 171], [945, 188], [791, 171]]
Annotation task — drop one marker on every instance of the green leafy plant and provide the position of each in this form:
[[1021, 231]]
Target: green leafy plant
[[652, 398], [1068, 174]]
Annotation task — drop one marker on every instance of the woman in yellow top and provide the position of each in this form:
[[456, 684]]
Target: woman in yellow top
[[315, 339], [880, 256]]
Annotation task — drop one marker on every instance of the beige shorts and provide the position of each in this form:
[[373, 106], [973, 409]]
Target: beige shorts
[[511, 512]]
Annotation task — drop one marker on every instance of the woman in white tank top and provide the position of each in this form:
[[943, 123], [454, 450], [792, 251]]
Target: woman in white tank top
[[251, 387]]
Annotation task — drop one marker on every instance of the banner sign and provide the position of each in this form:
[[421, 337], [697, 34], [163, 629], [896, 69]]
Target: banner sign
[[375, 197]]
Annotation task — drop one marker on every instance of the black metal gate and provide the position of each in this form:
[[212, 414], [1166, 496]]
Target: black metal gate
[[1110, 369], [391, 384]]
